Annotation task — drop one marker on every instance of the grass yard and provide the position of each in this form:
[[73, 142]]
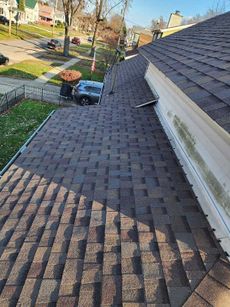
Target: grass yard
[[84, 66], [41, 30], [28, 69], [29, 31], [18, 124]]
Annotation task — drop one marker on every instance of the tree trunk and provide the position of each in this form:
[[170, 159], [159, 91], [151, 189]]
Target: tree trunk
[[94, 39], [66, 41]]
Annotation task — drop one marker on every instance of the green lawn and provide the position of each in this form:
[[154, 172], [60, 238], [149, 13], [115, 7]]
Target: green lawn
[[41, 30], [18, 124], [28, 69], [84, 66], [29, 32]]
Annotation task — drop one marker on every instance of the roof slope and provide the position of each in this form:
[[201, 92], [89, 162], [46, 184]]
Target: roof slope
[[97, 210], [29, 3], [197, 60]]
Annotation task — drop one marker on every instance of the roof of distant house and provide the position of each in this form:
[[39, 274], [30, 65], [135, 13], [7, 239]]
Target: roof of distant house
[[197, 60], [29, 3], [176, 28], [45, 10]]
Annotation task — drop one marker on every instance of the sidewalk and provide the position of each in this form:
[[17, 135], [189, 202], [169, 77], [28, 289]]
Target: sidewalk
[[56, 70], [7, 84]]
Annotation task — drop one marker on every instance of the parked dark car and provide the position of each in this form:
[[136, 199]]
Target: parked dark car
[[3, 59], [54, 44], [90, 39], [4, 20], [88, 92], [76, 41]]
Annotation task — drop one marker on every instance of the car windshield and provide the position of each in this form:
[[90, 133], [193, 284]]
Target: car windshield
[[93, 89], [97, 90]]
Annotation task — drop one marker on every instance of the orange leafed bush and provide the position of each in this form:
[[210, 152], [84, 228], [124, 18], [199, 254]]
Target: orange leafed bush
[[70, 75]]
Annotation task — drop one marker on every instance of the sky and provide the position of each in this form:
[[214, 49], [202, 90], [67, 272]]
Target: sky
[[143, 11]]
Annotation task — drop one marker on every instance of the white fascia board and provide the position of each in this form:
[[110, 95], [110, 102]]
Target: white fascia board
[[168, 91]]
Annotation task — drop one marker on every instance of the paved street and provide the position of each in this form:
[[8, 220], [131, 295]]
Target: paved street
[[19, 50], [8, 84]]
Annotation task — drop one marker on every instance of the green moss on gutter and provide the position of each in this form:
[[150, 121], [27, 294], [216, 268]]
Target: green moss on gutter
[[217, 189], [169, 113]]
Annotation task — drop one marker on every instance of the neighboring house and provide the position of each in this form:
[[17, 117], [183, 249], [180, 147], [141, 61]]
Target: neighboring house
[[31, 12], [190, 71], [145, 37], [5, 8], [160, 33], [133, 34], [46, 13], [59, 16]]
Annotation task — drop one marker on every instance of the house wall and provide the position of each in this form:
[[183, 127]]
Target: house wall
[[144, 39], [30, 15], [203, 146], [4, 8], [45, 14]]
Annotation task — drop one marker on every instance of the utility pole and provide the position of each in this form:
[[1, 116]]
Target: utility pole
[[98, 19], [126, 3], [118, 51], [55, 8], [10, 17]]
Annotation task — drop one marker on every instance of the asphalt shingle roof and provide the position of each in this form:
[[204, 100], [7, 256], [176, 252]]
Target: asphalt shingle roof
[[97, 211], [197, 60]]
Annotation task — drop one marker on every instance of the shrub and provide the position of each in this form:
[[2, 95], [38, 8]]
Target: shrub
[[72, 76]]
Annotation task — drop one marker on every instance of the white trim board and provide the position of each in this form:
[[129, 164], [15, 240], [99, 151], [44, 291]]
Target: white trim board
[[172, 97]]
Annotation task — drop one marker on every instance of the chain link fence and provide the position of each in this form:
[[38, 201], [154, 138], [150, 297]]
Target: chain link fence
[[11, 98]]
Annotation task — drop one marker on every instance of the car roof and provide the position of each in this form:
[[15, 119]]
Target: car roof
[[91, 83]]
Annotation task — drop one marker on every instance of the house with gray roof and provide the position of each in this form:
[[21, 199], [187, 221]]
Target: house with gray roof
[[190, 72]]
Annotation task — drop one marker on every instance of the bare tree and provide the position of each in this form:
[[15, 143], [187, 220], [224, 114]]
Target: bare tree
[[218, 8], [158, 24], [71, 8], [103, 8]]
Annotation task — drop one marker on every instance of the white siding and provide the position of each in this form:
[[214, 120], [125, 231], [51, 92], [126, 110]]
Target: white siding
[[203, 146]]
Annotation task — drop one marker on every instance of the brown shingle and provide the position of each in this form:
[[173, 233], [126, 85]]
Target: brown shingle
[[201, 57], [113, 220], [217, 294]]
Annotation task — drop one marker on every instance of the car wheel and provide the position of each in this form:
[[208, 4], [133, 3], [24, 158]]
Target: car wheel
[[85, 101]]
